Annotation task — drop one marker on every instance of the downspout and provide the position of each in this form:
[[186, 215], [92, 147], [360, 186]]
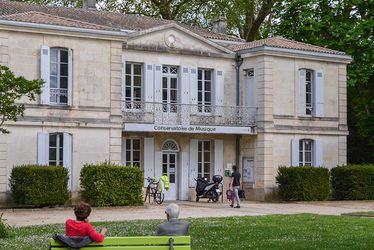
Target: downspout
[[238, 63]]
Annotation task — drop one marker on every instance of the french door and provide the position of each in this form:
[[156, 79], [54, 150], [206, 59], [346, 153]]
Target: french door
[[169, 168]]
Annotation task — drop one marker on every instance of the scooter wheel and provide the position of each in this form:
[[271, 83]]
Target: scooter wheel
[[215, 199], [197, 198]]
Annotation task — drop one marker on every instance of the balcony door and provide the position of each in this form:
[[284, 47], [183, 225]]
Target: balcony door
[[169, 93]]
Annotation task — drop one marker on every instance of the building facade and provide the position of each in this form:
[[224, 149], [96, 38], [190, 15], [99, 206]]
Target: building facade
[[171, 99]]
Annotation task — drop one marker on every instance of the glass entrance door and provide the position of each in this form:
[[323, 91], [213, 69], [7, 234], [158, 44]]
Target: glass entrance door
[[169, 168]]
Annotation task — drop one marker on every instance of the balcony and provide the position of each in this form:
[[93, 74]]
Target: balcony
[[182, 117]]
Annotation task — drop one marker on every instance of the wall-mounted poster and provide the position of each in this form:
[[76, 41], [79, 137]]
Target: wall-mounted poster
[[248, 169]]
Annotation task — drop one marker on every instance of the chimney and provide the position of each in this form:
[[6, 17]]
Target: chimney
[[89, 4], [220, 25]]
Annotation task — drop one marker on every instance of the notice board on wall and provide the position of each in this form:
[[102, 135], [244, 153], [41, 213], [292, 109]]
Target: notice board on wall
[[248, 169]]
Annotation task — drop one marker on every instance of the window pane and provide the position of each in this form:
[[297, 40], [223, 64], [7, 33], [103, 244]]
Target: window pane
[[61, 154], [52, 154], [136, 156], [200, 145], [173, 83], [128, 156], [200, 97], [173, 96], [172, 158], [128, 144], [53, 98], [128, 68], [64, 56], [53, 82], [207, 96], [206, 167], [128, 80], [199, 86], [206, 156], [63, 82], [308, 145], [63, 69], [63, 99], [52, 140], [207, 145], [53, 69], [164, 82], [164, 169], [199, 74], [128, 92], [137, 93], [172, 178], [137, 69], [199, 167], [136, 144], [207, 86], [208, 75], [137, 81], [53, 55]]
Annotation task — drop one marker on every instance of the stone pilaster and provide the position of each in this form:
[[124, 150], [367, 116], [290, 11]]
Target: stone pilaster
[[4, 49]]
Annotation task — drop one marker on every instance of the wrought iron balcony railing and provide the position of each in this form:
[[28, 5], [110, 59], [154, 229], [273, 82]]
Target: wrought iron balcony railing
[[187, 114]]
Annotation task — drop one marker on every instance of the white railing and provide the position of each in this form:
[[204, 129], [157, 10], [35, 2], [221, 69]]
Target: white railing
[[187, 114]]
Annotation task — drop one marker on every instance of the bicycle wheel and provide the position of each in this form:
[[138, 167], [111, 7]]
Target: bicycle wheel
[[159, 198]]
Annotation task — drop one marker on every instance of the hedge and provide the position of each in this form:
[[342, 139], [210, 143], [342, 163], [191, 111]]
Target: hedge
[[111, 185], [39, 186], [303, 183], [353, 182]]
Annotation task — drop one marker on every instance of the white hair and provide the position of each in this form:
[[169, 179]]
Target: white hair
[[172, 210]]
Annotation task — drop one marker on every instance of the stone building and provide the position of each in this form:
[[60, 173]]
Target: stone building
[[169, 98]]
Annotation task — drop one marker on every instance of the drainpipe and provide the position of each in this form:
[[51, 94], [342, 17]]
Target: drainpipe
[[238, 63]]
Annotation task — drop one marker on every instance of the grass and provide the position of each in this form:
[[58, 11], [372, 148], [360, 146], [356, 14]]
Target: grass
[[304, 231]]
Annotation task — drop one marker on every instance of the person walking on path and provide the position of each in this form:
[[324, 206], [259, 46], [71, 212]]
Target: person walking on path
[[235, 184]]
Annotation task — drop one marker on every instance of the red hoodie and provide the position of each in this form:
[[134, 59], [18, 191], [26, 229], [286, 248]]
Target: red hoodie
[[82, 228]]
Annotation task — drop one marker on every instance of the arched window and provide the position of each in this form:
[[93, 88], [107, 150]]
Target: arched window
[[170, 146]]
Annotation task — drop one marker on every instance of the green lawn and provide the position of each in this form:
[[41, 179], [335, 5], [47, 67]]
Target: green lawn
[[261, 232]]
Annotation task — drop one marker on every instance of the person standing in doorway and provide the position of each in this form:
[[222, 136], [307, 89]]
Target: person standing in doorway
[[235, 184]]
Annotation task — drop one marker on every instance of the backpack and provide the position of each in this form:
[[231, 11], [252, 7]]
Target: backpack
[[72, 242]]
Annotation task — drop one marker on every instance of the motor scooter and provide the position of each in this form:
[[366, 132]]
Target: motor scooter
[[209, 190]]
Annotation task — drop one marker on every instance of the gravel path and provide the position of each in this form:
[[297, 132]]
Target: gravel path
[[25, 217]]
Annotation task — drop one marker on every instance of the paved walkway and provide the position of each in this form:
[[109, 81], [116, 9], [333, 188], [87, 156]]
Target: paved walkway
[[24, 217]]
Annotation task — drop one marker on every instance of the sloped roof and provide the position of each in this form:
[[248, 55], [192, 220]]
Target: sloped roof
[[103, 19], [281, 42]]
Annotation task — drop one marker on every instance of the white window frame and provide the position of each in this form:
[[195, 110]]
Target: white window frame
[[133, 102], [303, 151], [58, 91], [170, 72], [309, 107], [200, 164], [131, 161], [59, 146], [203, 105]]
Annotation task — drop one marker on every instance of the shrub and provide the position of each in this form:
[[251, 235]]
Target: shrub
[[39, 185], [111, 185], [353, 182], [5, 229], [303, 183]]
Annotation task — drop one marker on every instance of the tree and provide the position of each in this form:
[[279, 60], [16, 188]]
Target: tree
[[345, 25], [13, 88]]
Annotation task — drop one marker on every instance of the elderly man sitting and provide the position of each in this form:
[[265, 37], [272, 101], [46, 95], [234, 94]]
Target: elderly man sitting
[[173, 227]]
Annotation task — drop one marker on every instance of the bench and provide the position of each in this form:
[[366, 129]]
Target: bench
[[135, 243]]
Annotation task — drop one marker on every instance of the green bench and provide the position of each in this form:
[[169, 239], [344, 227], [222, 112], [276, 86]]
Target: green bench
[[136, 243]]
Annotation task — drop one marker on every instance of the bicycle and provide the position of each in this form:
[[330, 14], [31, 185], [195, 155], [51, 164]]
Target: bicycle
[[153, 190]]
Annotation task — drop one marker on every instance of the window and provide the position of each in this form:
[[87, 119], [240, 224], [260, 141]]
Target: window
[[204, 88], [169, 88], [59, 74], [204, 159], [56, 149], [306, 152], [133, 89], [132, 152], [308, 91]]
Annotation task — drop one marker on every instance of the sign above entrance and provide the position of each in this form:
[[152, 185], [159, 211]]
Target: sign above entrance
[[136, 127]]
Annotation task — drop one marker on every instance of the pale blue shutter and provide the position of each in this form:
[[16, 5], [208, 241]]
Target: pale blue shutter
[[318, 153], [70, 77], [43, 149], [67, 157], [251, 92], [183, 194], [193, 89], [294, 152], [218, 157], [148, 83], [218, 91], [45, 73], [158, 164], [158, 83], [185, 86], [149, 158], [318, 93], [193, 162], [123, 84], [302, 92]]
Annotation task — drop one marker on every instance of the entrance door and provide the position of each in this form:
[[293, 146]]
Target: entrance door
[[169, 168], [169, 93]]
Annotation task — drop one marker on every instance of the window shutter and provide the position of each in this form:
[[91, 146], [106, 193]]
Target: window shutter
[[302, 92], [218, 157], [43, 149], [251, 92], [193, 89], [318, 93], [70, 77], [193, 162], [148, 83], [67, 157], [149, 157], [183, 194], [123, 84], [219, 91], [318, 153], [45, 73], [185, 86], [158, 164], [158, 83], [295, 152]]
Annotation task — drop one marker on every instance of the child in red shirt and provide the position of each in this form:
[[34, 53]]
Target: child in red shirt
[[81, 227]]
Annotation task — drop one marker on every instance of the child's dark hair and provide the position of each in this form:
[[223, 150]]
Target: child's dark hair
[[234, 167], [82, 211]]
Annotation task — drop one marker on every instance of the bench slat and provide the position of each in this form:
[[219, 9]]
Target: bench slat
[[129, 248]]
